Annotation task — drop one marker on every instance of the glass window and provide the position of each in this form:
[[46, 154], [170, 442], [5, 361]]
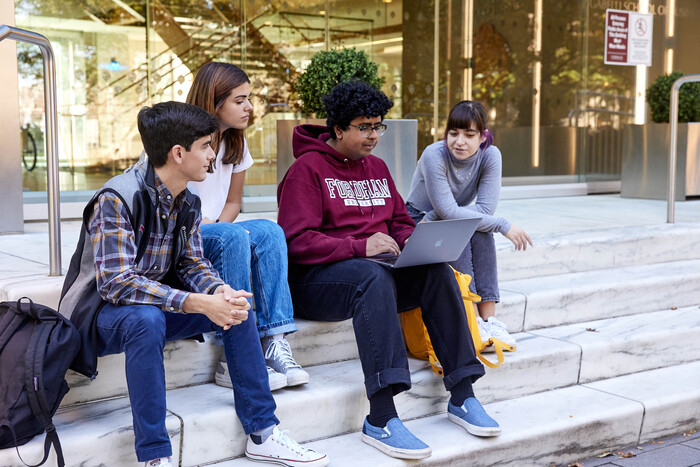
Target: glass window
[[556, 110]]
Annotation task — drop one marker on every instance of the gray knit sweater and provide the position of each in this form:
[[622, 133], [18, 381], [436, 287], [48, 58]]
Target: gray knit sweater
[[448, 188]]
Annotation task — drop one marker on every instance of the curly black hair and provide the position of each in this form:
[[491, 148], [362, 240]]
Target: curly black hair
[[352, 99]]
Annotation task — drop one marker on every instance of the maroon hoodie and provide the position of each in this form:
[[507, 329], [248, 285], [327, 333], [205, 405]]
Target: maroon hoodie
[[329, 204]]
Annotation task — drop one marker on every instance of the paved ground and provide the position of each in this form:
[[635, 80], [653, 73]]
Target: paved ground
[[681, 450]]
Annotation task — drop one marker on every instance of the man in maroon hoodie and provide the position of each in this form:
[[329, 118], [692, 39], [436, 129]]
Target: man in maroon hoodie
[[337, 206]]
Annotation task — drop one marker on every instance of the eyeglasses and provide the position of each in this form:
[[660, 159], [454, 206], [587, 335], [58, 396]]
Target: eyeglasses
[[366, 130]]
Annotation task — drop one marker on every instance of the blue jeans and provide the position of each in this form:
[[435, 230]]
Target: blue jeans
[[372, 295], [254, 249], [140, 331]]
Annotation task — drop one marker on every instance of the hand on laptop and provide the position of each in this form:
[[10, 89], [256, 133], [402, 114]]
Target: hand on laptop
[[381, 243]]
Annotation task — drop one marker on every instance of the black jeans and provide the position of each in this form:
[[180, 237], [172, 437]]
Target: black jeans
[[372, 294]]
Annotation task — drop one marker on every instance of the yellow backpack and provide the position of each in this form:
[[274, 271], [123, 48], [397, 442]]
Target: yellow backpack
[[418, 341]]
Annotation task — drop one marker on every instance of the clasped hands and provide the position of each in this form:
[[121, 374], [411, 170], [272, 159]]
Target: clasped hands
[[234, 308], [226, 307]]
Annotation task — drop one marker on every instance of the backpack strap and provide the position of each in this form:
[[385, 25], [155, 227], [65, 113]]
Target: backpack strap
[[9, 324], [469, 304], [30, 311], [47, 447], [498, 346], [34, 382]]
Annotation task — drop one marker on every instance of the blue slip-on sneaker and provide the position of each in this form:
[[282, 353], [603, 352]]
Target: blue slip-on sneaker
[[395, 440], [472, 417]]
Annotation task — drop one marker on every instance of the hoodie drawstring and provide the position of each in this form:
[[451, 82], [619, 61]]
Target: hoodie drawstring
[[364, 176], [347, 166]]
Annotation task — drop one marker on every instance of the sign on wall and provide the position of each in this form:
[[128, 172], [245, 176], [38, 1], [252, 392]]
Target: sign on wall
[[628, 37]]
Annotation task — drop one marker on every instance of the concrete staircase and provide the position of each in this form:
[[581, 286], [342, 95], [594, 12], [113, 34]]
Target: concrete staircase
[[608, 329]]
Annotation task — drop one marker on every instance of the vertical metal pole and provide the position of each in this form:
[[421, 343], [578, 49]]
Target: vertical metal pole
[[671, 196], [52, 183], [436, 71], [673, 119], [583, 134]]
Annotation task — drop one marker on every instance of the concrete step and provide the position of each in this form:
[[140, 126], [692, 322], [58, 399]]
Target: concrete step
[[24, 258], [583, 296], [597, 249], [545, 301], [550, 428], [539, 364], [187, 363], [536, 302], [546, 428], [545, 359], [97, 434], [629, 344]]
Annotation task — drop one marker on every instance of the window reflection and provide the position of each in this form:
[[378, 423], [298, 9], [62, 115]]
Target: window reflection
[[114, 57]]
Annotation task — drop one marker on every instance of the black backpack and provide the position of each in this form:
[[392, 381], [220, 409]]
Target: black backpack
[[37, 345]]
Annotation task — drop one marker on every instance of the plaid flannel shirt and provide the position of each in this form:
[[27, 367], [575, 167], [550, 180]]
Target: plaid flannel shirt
[[120, 281]]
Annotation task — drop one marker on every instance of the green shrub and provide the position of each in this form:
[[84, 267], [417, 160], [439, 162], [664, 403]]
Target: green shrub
[[330, 68], [659, 99]]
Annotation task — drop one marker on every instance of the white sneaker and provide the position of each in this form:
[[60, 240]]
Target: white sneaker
[[160, 462], [499, 331], [223, 378], [278, 356], [484, 328], [281, 449]]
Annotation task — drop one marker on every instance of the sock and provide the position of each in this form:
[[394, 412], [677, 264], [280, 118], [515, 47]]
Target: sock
[[461, 391], [261, 436], [381, 407]]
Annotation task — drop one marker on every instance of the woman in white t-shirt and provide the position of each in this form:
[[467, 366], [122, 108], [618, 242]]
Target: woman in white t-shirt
[[246, 251]]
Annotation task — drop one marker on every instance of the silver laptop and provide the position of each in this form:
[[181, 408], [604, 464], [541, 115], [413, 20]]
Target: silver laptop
[[432, 242]]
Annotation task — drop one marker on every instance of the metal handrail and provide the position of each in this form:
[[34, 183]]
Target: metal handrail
[[601, 110], [52, 183], [673, 118]]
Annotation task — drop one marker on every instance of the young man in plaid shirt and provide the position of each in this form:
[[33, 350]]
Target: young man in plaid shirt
[[139, 278]]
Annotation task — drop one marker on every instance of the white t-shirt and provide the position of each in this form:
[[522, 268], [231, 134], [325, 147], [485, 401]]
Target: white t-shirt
[[214, 189]]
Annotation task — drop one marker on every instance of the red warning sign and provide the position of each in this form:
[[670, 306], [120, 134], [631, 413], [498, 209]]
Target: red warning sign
[[628, 37], [616, 36]]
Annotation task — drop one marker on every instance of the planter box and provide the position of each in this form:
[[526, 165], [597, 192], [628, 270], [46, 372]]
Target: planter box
[[645, 161], [397, 148]]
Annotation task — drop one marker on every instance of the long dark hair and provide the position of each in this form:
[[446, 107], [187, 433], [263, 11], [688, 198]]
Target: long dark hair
[[466, 113], [210, 89]]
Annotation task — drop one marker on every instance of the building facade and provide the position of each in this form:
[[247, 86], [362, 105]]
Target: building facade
[[556, 109]]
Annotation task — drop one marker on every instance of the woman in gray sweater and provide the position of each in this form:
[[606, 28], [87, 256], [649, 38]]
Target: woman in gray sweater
[[460, 177]]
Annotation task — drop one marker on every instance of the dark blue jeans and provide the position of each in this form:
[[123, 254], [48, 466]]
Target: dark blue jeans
[[140, 331], [372, 295]]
